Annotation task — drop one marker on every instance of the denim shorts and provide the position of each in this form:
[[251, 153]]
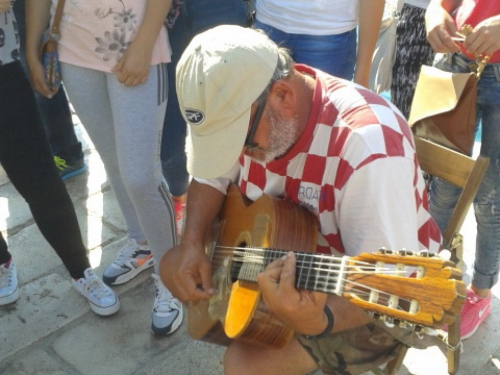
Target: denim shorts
[[333, 54]]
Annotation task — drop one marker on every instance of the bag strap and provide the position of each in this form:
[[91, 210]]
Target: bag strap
[[54, 30], [400, 5], [481, 59]]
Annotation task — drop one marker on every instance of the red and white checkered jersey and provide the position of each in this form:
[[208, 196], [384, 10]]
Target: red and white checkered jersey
[[355, 167]]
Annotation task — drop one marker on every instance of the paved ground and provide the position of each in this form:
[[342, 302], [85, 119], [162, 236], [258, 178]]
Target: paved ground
[[51, 330]]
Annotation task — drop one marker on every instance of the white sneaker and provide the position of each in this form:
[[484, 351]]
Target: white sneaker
[[131, 260], [103, 301], [167, 310], [9, 286]]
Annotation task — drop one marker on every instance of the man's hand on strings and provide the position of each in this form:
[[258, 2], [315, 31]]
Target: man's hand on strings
[[187, 272], [301, 310]]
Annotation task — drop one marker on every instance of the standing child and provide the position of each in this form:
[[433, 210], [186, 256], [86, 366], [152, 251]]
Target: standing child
[[113, 57], [443, 19], [26, 157]]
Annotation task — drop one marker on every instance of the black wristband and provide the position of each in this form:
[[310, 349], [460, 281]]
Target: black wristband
[[329, 326]]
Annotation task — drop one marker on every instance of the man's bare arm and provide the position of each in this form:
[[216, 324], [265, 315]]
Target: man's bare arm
[[186, 270]]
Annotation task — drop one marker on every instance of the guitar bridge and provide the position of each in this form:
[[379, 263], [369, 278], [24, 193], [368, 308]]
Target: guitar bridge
[[218, 303]]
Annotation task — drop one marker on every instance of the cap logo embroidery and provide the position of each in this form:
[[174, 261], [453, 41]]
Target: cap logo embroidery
[[194, 116]]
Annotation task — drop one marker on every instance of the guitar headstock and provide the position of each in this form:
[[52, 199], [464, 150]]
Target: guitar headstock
[[405, 287]]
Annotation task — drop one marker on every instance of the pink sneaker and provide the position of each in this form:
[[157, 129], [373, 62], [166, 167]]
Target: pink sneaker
[[474, 312]]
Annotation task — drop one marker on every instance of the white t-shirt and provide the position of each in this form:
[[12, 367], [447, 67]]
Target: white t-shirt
[[96, 33], [419, 3], [313, 17]]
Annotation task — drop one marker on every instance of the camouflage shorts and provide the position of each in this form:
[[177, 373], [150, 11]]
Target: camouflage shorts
[[358, 350]]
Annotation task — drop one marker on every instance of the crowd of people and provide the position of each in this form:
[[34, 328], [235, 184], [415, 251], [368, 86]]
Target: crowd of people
[[278, 104]]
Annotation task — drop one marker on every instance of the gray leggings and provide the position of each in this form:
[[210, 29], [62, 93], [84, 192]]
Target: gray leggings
[[125, 125]]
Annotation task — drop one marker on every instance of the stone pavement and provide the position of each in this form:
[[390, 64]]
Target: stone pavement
[[51, 330]]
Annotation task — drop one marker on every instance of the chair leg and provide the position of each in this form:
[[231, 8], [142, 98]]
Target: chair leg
[[394, 365], [454, 341], [454, 346]]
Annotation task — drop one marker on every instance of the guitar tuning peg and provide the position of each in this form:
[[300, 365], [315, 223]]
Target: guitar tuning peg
[[405, 252], [405, 324], [430, 331], [445, 254], [384, 250], [424, 253], [389, 322]]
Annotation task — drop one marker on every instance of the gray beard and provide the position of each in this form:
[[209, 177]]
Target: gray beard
[[282, 136]]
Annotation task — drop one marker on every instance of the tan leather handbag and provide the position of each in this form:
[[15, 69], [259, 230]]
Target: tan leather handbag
[[444, 106]]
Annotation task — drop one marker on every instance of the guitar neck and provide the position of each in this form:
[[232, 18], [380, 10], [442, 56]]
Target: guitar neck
[[314, 272]]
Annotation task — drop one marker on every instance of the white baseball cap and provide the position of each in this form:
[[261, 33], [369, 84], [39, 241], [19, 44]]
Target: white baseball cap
[[219, 75]]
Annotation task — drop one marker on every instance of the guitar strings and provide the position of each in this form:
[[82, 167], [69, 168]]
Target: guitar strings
[[329, 283], [365, 291], [335, 262], [368, 268], [279, 253]]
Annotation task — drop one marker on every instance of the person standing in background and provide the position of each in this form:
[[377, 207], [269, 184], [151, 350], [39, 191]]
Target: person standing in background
[[26, 157], [324, 34], [412, 51], [114, 56], [443, 18], [56, 116], [186, 19]]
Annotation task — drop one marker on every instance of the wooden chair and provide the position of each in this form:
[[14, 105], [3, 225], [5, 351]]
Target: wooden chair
[[458, 169], [466, 173]]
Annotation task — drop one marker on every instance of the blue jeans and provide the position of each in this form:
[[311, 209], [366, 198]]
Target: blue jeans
[[196, 16], [333, 54], [487, 202], [55, 112]]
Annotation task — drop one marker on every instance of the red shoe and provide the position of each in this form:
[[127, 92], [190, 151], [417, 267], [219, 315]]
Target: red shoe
[[474, 312], [180, 215]]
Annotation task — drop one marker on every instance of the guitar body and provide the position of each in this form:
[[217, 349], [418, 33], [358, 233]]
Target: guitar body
[[237, 311], [401, 287]]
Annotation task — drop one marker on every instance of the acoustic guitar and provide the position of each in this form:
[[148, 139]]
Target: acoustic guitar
[[250, 235]]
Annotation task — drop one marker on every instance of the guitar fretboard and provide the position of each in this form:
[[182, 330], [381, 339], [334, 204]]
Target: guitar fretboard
[[314, 272]]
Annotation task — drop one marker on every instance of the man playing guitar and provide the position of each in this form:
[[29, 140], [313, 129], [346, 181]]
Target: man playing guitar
[[334, 147]]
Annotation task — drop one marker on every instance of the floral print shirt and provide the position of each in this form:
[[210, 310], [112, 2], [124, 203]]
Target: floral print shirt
[[9, 39], [96, 33]]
